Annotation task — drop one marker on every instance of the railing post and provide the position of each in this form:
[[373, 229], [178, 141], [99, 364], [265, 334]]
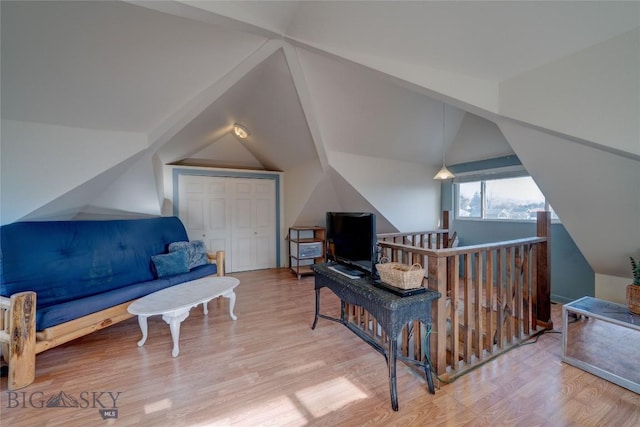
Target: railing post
[[438, 282], [445, 225], [445, 244], [543, 274]]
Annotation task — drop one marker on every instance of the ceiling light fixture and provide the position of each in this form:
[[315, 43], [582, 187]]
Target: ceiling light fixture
[[240, 131], [443, 173]]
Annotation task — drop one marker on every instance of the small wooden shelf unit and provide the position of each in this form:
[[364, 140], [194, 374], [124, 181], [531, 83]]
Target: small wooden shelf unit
[[306, 247]]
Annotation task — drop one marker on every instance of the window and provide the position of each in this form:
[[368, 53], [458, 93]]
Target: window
[[515, 198], [470, 199]]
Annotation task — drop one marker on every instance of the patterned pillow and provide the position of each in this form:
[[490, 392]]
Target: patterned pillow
[[196, 252], [170, 264]]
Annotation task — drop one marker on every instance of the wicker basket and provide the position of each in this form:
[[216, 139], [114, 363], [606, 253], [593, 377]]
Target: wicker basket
[[633, 298], [401, 275]]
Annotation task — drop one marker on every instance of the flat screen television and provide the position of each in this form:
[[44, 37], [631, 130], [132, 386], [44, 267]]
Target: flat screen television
[[351, 240]]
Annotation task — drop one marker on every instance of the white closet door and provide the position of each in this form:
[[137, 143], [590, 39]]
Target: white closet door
[[253, 223], [236, 215], [204, 209]]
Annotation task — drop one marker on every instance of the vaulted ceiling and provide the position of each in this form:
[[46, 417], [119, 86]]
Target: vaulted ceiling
[[122, 87]]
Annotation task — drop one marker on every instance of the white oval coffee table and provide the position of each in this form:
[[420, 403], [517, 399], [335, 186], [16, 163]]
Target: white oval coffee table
[[174, 303]]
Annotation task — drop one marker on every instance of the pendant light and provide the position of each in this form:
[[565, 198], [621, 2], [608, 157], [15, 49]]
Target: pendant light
[[443, 173]]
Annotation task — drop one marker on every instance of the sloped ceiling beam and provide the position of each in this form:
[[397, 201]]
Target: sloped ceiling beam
[[179, 8], [305, 100]]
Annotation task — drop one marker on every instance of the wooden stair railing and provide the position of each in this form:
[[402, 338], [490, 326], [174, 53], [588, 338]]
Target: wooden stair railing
[[495, 295]]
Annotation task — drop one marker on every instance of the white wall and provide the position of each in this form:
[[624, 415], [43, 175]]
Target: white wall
[[358, 112], [595, 193], [41, 162], [477, 139], [225, 152], [404, 193], [612, 288], [593, 94], [301, 183], [324, 198], [135, 190]]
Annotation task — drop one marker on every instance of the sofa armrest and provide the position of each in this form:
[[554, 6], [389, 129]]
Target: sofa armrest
[[217, 258], [18, 338]]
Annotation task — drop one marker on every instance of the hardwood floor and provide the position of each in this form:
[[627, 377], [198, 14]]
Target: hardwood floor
[[270, 368]]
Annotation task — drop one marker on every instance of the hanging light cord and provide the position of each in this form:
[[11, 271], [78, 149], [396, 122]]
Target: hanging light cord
[[444, 141]]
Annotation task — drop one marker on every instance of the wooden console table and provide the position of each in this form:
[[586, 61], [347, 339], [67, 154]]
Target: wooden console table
[[392, 313]]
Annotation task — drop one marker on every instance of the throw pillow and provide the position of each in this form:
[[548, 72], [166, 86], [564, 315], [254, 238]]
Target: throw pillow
[[196, 252], [170, 264]]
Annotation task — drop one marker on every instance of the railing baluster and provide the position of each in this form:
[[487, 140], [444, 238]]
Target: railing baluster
[[509, 296], [405, 341], [525, 288], [417, 340], [518, 293], [455, 314], [489, 301], [477, 301], [534, 288], [500, 300], [467, 315]]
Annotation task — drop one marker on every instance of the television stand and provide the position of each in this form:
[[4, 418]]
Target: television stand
[[392, 313]]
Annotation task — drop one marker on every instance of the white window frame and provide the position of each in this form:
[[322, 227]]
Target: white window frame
[[488, 175]]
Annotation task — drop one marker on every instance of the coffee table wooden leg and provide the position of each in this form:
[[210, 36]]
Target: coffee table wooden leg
[[142, 321]]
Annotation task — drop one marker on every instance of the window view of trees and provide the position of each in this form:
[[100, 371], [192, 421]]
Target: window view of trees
[[508, 199], [470, 199]]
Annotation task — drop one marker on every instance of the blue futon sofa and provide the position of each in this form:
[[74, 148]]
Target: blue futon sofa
[[85, 273]]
